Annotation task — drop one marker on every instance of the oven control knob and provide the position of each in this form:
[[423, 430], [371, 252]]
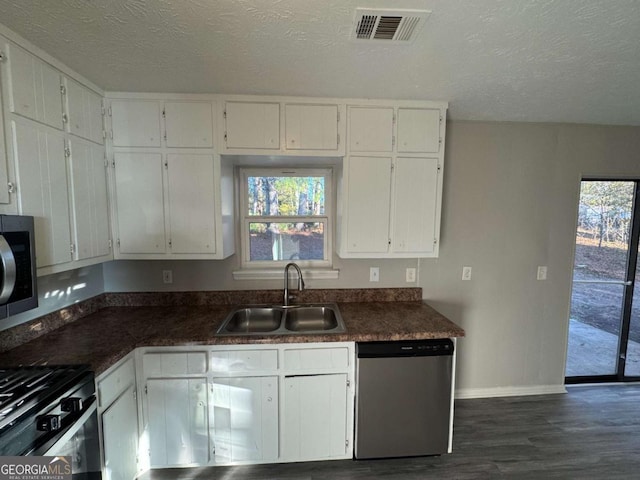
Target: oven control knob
[[71, 404], [48, 423]]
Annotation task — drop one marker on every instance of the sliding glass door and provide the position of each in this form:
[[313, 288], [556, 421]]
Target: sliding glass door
[[604, 324]]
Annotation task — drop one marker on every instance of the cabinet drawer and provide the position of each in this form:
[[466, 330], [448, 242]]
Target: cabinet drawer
[[116, 382], [175, 363], [244, 360], [316, 358]]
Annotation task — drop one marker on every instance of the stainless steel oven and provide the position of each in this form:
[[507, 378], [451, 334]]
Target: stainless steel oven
[[51, 410], [18, 283]]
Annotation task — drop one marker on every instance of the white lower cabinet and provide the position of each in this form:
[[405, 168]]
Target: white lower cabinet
[[177, 421], [245, 404], [315, 417], [120, 437], [244, 418], [118, 415]]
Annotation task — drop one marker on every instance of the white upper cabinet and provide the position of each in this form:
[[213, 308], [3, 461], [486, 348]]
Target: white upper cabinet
[[174, 196], [415, 203], [189, 124], [190, 180], [140, 202], [418, 130], [252, 125], [390, 197], [311, 127], [39, 153], [136, 123], [34, 88], [83, 111], [370, 129], [368, 190], [89, 200]]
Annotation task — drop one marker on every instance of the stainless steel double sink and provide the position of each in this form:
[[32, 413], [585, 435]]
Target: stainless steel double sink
[[280, 320]]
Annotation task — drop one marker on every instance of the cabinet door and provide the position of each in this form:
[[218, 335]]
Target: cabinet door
[[140, 202], [253, 125], [368, 197], [191, 203], [42, 187], [120, 437], [370, 129], [311, 127], [418, 130], [415, 195], [189, 124], [244, 413], [34, 88], [315, 417], [84, 112], [135, 123], [177, 424], [89, 202]]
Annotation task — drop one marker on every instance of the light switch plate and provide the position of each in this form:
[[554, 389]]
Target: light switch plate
[[411, 275], [466, 273], [542, 272], [167, 276], [374, 274]]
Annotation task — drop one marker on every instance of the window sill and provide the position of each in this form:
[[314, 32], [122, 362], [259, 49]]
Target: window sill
[[278, 274]]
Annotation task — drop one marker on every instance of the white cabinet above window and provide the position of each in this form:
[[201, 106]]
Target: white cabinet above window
[[252, 125], [311, 127], [282, 126]]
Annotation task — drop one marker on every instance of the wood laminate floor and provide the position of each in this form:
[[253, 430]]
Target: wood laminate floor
[[590, 433]]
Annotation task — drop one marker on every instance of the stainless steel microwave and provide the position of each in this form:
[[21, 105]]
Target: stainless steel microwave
[[18, 282]]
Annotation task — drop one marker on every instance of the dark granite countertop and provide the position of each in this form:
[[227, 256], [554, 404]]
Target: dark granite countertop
[[105, 336]]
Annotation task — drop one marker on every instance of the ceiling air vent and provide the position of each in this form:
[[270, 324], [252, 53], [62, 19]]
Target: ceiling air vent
[[390, 26]]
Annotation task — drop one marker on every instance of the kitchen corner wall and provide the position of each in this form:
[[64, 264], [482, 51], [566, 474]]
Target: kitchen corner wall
[[510, 204], [61, 290]]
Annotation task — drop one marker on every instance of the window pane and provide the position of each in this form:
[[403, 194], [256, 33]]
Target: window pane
[[286, 241], [284, 196]]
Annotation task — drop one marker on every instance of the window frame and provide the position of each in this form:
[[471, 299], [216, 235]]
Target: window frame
[[327, 218]]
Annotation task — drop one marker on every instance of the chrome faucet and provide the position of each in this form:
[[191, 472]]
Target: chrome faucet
[[286, 282]]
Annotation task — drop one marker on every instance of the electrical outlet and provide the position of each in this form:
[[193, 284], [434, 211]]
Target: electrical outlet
[[167, 276], [466, 273], [542, 273], [411, 275], [374, 274]]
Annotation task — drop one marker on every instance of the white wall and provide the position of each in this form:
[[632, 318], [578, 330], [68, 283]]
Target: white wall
[[510, 204], [60, 290], [144, 276]]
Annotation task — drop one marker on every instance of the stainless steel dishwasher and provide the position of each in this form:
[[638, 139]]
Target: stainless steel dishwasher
[[403, 399]]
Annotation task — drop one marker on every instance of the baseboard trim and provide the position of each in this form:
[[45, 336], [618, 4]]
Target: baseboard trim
[[509, 391]]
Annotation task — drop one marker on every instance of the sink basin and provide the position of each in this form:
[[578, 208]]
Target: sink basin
[[278, 320], [304, 319], [253, 320]]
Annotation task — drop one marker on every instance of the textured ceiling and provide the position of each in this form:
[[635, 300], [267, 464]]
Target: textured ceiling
[[506, 60]]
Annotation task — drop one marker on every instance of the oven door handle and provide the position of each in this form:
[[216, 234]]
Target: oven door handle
[[68, 435], [8, 270]]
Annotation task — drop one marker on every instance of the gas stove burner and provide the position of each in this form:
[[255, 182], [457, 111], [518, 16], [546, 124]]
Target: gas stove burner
[[25, 387], [34, 405]]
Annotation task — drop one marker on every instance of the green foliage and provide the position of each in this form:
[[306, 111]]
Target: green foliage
[[605, 209], [288, 196]]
